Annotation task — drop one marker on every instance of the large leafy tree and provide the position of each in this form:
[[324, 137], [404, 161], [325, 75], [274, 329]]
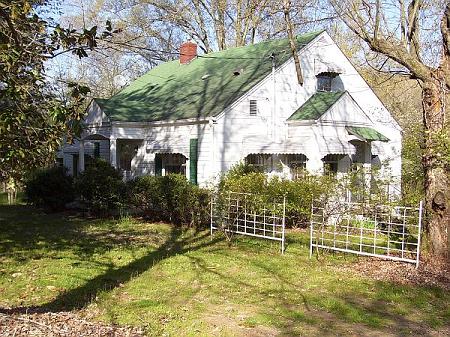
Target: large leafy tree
[[412, 37], [33, 121]]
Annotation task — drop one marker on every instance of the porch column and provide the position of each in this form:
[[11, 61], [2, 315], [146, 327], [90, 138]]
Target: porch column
[[81, 156], [367, 166], [188, 169], [113, 152]]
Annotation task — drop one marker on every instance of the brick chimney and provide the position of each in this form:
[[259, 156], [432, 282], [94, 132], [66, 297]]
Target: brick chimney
[[188, 51]]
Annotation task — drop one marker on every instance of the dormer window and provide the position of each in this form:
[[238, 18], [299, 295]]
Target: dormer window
[[324, 81], [253, 107]]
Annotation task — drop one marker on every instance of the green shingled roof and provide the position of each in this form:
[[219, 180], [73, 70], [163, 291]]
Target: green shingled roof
[[202, 88], [316, 106], [367, 133]]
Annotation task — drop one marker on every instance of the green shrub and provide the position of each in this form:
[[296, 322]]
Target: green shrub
[[49, 188], [101, 187], [145, 194], [241, 169], [170, 198], [299, 193]]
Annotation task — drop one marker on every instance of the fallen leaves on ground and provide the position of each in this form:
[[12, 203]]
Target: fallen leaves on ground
[[60, 324], [428, 273]]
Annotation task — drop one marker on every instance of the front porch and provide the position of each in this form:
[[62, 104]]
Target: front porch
[[131, 156]]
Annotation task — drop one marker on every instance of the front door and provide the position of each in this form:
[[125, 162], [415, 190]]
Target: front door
[[75, 165]]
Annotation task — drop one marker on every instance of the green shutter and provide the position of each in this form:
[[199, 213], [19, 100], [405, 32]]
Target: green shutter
[[193, 158], [158, 165]]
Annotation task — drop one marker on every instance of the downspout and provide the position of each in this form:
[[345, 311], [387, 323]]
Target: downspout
[[213, 147], [274, 103]]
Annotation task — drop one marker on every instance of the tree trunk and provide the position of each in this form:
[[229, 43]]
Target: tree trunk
[[437, 191]]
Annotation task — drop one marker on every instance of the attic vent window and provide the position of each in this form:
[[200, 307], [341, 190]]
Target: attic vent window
[[324, 82], [253, 107]]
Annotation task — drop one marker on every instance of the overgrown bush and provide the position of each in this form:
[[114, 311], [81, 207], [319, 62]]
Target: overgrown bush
[[50, 188], [101, 187], [299, 193], [170, 198]]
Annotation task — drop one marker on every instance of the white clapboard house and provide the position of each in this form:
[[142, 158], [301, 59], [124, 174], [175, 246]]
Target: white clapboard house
[[202, 114]]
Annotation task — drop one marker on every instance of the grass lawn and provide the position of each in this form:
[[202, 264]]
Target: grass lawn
[[181, 283]]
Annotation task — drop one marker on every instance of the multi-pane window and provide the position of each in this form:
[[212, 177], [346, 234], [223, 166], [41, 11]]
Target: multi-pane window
[[174, 163], [167, 163], [253, 107], [259, 160], [330, 163]]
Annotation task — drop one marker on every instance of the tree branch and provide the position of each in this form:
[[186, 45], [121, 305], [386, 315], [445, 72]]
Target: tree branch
[[413, 27], [376, 28], [287, 18], [445, 32]]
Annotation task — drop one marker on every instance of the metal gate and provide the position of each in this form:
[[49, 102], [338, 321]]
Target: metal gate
[[385, 231], [248, 214]]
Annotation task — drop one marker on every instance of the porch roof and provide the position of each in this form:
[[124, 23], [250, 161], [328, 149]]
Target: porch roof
[[305, 145], [316, 106], [366, 133]]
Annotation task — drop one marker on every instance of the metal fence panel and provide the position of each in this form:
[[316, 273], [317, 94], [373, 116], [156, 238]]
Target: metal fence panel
[[247, 214], [385, 231]]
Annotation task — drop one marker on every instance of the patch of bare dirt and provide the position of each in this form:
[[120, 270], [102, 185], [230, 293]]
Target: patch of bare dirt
[[428, 273], [229, 326], [230, 321], [61, 324]]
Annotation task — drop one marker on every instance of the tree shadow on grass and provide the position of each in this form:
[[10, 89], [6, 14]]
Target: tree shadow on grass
[[178, 242], [377, 309], [392, 310], [28, 234]]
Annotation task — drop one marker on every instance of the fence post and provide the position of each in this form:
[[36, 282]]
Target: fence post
[[245, 214], [284, 225], [375, 231], [211, 215], [403, 233], [237, 213], [311, 230], [419, 234]]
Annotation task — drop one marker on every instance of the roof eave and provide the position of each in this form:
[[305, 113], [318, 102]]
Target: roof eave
[[187, 121]]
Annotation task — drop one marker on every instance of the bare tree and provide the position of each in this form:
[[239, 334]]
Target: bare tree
[[213, 24], [415, 35]]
